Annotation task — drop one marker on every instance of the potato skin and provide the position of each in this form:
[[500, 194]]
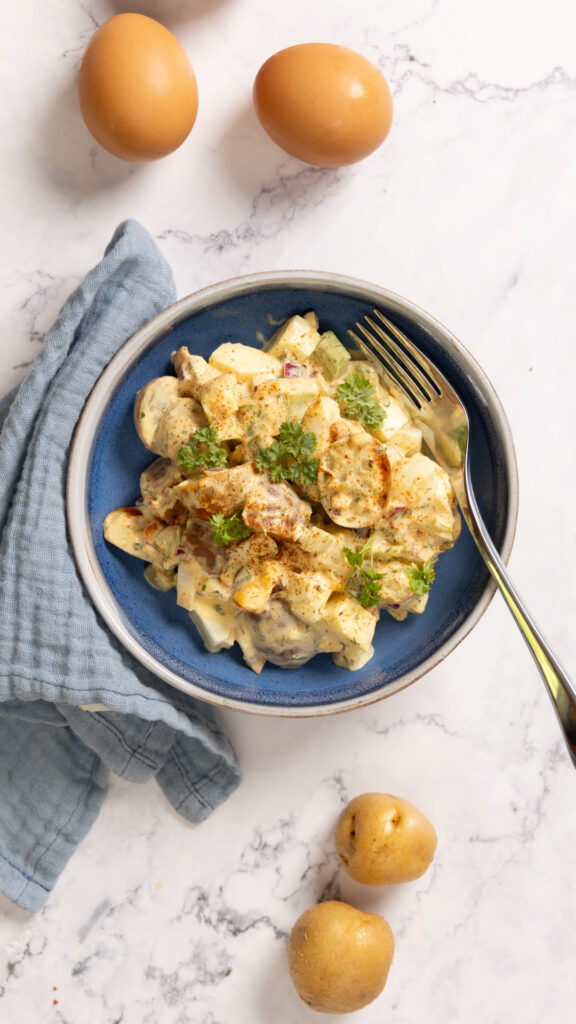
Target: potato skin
[[383, 839], [339, 957]]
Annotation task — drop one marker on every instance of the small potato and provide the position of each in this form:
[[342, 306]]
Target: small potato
[[382, 839], [339, 957]]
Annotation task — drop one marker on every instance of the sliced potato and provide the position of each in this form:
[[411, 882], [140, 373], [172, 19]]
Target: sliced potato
[[156, 483], [270, 404], [260, 422], [152, 401], [354, 481]]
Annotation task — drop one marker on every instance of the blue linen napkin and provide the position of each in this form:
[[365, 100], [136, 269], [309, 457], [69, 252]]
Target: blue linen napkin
[[56, 654]]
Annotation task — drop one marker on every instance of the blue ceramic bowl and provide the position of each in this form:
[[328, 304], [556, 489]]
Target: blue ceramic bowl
[[108, 457]]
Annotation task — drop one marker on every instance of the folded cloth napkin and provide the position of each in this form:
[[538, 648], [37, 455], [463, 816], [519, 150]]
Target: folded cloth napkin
[[56, 654]]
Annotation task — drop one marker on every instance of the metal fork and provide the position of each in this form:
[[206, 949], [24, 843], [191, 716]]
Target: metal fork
[[442, 417]]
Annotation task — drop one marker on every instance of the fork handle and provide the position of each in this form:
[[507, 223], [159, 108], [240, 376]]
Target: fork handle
[[560, 687]]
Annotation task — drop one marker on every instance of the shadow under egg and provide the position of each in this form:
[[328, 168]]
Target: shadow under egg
[[68, 157], [264, 172], [170, 13]]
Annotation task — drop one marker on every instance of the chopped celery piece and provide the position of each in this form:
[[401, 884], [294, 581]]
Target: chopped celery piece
[[331, 354]]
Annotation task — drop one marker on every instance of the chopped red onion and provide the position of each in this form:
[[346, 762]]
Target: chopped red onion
[[294, 369]]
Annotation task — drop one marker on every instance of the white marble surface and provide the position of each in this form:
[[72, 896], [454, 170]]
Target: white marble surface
[[469, 209]]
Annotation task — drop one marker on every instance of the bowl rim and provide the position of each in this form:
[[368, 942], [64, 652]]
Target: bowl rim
[[100, 396]]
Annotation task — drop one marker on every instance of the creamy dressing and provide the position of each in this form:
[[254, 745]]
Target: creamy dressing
[[291, 588]]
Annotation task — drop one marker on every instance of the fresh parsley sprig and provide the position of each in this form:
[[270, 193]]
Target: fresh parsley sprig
[[371, 591], [356, 393], [355, 558], [365, 580], [288, 457], [228, 530], [420, 577], [204, 450]]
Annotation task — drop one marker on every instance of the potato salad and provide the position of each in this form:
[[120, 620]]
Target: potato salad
[[290, 501]]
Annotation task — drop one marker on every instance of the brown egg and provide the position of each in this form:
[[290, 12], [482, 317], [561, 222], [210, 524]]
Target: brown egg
[[137, 90], [324, 104]]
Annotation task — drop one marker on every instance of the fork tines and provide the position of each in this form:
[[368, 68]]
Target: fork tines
[[398, 357]]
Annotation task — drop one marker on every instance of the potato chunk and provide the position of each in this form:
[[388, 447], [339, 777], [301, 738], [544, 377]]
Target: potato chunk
[[255, 595], [189, 579], [219, 398], [193, 372], [124, 527], [295, 341], [318, 418], [176, 426], [292, 395], [308, 593], [220, 490], [347, 619], [244, 361]]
